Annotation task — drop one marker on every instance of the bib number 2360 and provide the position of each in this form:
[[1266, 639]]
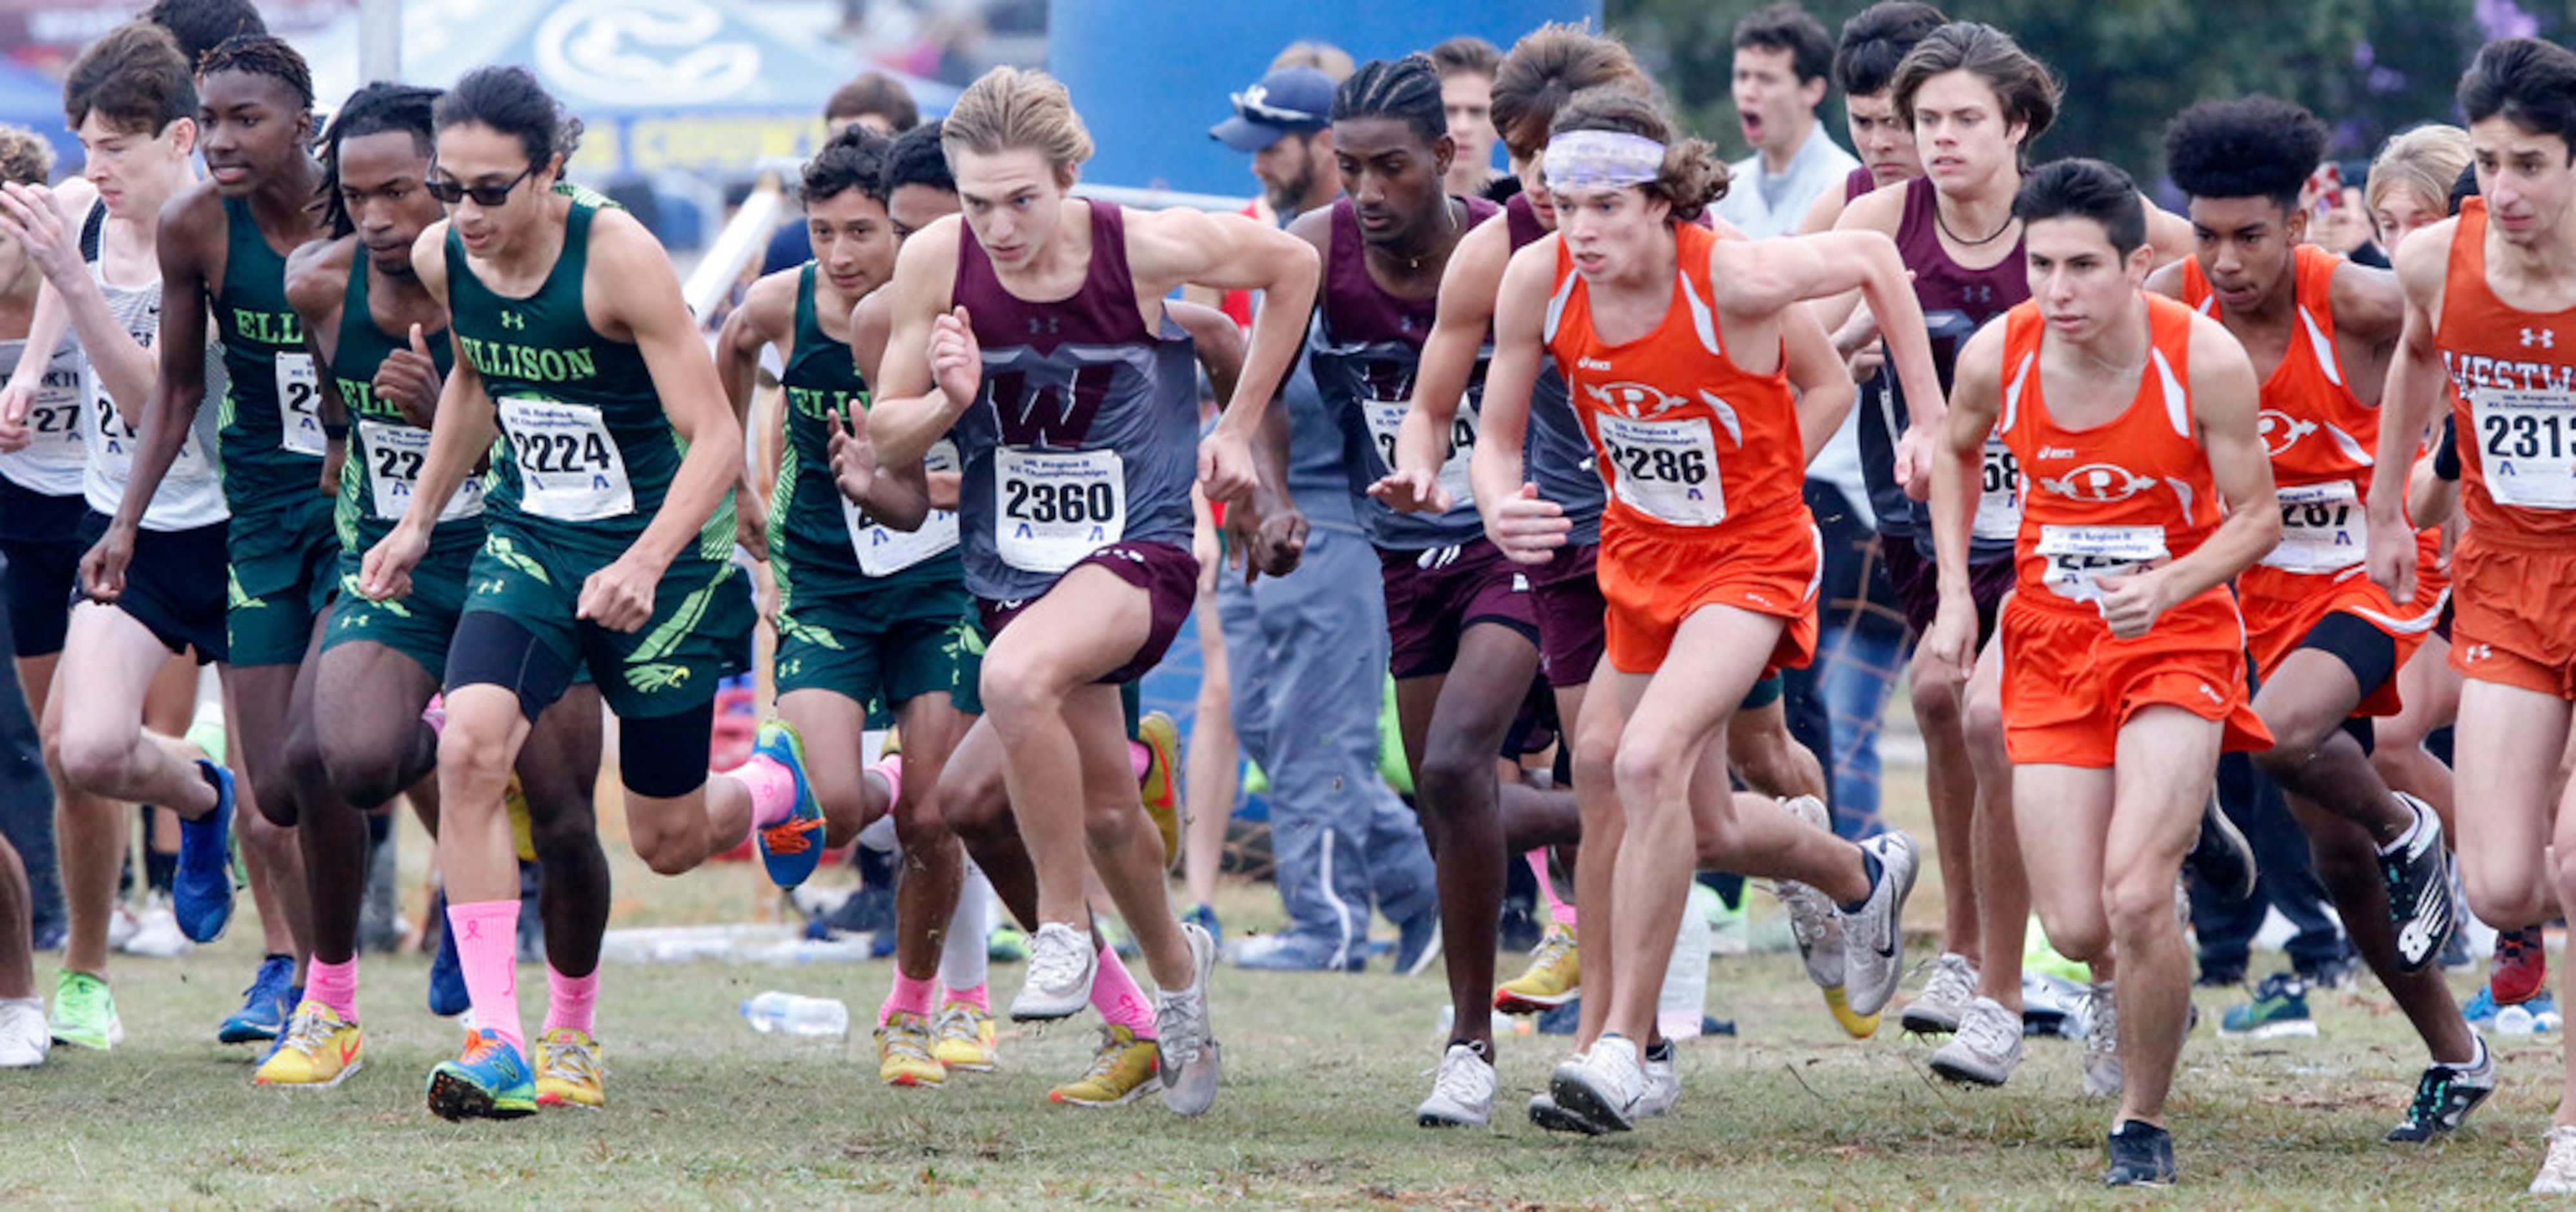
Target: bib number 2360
[[569, 467], [1058, 507]]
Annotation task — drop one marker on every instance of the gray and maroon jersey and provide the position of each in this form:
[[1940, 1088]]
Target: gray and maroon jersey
[[1559, 452], [1085, 432], [1364, 347]]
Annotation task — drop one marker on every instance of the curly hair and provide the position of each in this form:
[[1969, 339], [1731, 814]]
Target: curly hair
[[2251, 147], [1692, 175]]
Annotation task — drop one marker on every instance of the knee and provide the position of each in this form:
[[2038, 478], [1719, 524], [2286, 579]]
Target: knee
[[2082, 938], [1651, 772], [1982, 720], [2509, 904], [478, 749], [2139, 903], [565, 839], [92, 761], [1014, 695], [668, 851], [2292, 749], [1935, 697], [1451, 772]]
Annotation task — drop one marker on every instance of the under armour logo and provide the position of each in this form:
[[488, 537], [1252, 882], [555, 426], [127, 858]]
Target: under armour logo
[[2479, 652], [2542, 337], [513, 320], [1044, 324], [1976, 293]]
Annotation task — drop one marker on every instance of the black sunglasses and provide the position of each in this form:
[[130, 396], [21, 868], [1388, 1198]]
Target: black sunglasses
[[453, 192]]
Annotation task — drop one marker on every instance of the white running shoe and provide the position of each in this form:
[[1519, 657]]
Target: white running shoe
[[156, 932], [1061, 965], [24, 1035], [121, 925], [1462, 1096], [1874, 938], [2558, 1171], [2103, 1076], [1813, 923], [1663, 1082], [1987, 1047], [1603, 1085], [1186, 1045], [1946, 995]]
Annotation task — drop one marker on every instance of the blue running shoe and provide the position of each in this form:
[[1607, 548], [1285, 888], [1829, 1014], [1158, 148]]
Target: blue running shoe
[[201, 895], [447, 993], [1204, 917], [490, 1081], [792, 847], [271, 997]]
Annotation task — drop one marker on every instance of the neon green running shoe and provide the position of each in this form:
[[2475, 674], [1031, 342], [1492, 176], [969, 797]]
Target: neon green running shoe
[[85, 1012]]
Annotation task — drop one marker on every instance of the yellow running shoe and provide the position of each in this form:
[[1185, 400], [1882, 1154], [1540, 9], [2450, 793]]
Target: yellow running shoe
[[1122, 1069], [966, 1038], [1162, 786], [569, 1073], [319, 1050], [1554, 977], [904, 1055], [1857, 1026], [522, 830]]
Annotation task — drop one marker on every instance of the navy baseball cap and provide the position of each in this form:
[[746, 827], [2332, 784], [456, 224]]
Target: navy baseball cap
[[1292, 100]]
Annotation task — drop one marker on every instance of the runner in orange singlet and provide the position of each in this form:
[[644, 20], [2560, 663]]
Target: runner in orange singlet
[[1678, 349], [2491, 311], [2326, 640], [2145, 491]]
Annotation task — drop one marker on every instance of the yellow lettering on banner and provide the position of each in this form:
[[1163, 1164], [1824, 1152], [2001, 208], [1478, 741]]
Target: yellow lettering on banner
[[656, 144]]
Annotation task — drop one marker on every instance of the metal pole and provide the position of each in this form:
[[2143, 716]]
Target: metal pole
[[379, 40]]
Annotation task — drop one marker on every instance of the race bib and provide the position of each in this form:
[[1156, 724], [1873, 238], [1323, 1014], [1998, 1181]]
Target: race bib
[[1386, 420], [2527, 447], [394, 454], [2079, 556], [54, 421], [1998, 493], [1054, 508], [1667, 470], [299, 405], [884, 551], [2322, 529], [569, 467]]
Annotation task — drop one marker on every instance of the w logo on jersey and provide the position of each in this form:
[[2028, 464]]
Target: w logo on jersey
[[2099, 483], [2280, 431], [1641, 400], [1048, 415]]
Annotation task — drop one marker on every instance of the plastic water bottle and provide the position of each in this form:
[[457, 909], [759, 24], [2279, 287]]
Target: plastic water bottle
[[819, 1017], [1685, 994], [2514, 1020]]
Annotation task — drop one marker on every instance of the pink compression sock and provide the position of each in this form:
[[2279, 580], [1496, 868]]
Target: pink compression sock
[[890, 768], [909, 996], [772, 788], [487, 946], [334, 985], [571, 1001], [1115, 995], [1139, 758], [977, 997], [1557, 910]]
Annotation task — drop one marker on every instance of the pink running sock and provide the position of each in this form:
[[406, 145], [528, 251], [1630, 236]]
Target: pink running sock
[[977, 997], [1139, 758], [890, 768], [1557, 910], [572, 1002], [909, 996], [487, 947], [1115, 995], [772, 788], [334, 985]]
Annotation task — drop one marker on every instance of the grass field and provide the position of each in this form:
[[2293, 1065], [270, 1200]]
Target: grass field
[[1321, 1074]]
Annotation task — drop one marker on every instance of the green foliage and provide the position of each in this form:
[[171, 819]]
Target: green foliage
[[2369, 67]]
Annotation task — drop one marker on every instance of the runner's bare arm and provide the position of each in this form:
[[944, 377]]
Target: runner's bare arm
[[916, 399], [317, 298], [1765, 277], [2369, 316], [2226, 400], [2407, 403], [1168, 248], [459, 436], [1822, 379], [1466, 313], [1957, 462], [1526, 528]]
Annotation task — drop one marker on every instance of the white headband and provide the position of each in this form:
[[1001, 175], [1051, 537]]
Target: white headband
[[1589, 159]]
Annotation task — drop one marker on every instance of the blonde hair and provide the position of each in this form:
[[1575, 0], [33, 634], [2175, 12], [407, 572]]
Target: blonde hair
[[25, 157], [1010, 109], [2425, 161], [1324, 57]]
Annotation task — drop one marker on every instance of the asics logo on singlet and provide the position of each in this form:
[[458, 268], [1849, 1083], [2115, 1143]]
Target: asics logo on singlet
[[2280, 431], [2056, 452], [1590, 364], [2542, 337], [2100, 483], [1634, 399]]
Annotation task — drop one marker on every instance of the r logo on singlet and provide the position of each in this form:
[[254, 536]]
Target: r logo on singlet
[[1641, 400], [2280, 431], [2099, 483]]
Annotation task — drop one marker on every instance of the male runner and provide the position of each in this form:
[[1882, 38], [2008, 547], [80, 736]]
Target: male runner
[[2133, 421], [2326, 642], [2489, 297]]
